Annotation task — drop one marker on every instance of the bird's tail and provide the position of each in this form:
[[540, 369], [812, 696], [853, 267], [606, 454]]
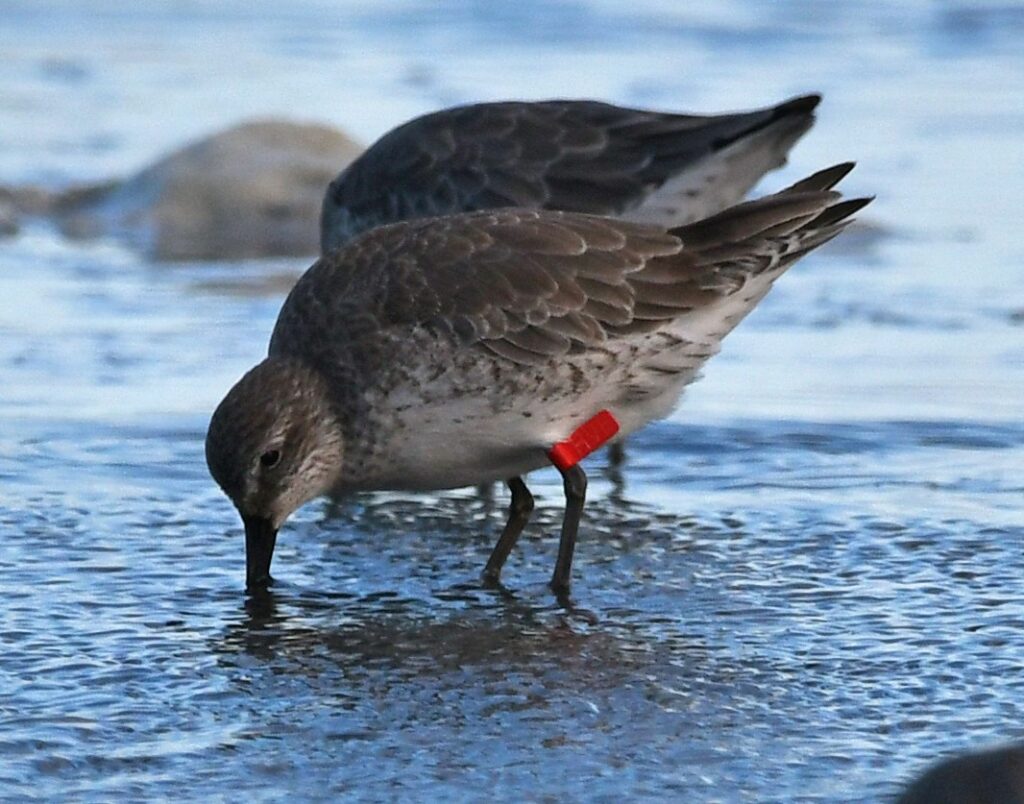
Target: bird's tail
[[706, 164], [772, 232]]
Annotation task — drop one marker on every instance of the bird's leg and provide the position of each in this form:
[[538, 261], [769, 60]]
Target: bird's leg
[[616, 454], [519, 511], [575, 494]]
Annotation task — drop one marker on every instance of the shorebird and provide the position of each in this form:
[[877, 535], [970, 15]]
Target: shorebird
[[578, 156], [477, 347]]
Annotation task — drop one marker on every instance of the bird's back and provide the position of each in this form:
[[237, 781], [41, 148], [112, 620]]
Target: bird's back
[[580, 156]]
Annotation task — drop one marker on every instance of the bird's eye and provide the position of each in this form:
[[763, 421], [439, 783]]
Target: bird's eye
[[270, 458]]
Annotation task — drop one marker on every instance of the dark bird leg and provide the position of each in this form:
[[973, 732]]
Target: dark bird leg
[[575, 494], [519, 511], [486, 493], [613, 472]]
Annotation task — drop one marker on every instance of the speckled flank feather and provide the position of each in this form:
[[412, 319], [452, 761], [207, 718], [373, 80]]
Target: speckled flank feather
[[580, 156], [461, 347]]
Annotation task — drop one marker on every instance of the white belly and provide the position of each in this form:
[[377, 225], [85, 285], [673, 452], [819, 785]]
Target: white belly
[[486, 419]]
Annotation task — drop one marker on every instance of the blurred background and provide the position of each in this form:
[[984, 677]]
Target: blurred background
[[807, 582]]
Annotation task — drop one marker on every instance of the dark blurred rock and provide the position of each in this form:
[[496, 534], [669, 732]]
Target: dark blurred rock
[[9, 219], [27, 200], [990, 777], [18, 203], [253, 190]]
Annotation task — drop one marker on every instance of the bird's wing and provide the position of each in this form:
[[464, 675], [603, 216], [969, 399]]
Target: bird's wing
[[579, 156], [530, 285]]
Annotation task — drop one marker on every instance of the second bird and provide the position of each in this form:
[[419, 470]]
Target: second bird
[[572, 155]]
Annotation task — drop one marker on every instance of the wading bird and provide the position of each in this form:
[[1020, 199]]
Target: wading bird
[[471, 348]]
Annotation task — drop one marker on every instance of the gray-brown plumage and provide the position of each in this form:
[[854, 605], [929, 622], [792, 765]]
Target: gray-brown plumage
[[451, 351], [578, 156]]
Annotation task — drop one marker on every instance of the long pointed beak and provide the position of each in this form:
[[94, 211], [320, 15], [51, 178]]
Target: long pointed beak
[[260, 537]]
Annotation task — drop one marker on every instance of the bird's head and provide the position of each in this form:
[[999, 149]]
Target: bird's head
[[274, 443]]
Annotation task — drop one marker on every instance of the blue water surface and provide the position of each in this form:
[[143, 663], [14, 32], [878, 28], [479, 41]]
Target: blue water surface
[[805, 586]]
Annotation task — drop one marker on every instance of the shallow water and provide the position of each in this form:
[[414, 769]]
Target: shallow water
[[804, 586]]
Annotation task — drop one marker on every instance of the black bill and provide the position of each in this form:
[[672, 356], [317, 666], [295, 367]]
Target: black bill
[[260, 537]]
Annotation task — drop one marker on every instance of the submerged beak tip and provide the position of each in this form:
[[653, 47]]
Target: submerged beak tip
[[260, 537]]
